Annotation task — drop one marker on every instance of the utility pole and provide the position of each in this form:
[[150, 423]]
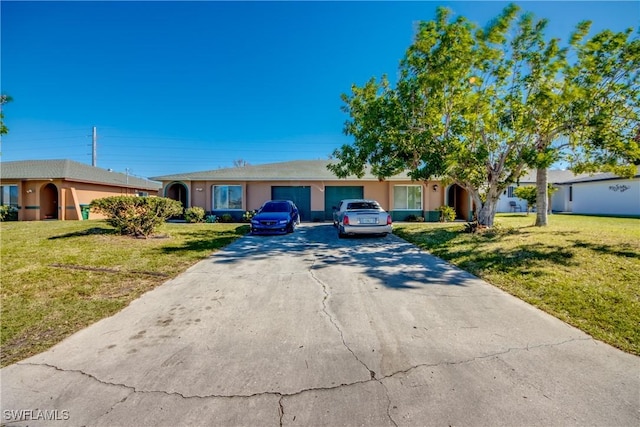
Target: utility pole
[[94, 156]]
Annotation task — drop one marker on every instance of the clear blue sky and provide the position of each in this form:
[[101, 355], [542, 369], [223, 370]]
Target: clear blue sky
[[191, 86]]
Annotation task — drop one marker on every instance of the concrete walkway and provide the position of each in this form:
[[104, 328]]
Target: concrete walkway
[[306, 329]]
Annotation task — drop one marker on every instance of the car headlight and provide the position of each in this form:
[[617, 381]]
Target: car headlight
[[283, 221], [253, 221]]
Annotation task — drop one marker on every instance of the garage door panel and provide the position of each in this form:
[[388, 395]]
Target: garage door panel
[[300, 195], [333, 195]]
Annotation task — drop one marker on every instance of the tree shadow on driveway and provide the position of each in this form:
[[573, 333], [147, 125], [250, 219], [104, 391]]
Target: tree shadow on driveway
[[393, 262]]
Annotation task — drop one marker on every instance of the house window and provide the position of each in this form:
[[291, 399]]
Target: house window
[[407, 197], [571, 193], [9, 195], [227, 197], [510, 191]]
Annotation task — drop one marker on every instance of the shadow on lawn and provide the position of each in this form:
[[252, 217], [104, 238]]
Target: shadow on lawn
[[626, 251], [206, 240], [523, 260], [472, 255], [88, 232]]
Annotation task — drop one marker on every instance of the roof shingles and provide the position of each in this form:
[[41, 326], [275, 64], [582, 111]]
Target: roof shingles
[[70, 170]]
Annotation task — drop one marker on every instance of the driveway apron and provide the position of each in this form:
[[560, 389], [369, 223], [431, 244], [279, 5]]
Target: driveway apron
[[306, 329]]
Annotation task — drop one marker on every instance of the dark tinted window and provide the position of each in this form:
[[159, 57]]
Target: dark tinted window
[[362, 205], [276, 207]]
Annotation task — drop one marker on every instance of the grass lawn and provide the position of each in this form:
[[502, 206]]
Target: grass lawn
[[584, 270], [60, 276]]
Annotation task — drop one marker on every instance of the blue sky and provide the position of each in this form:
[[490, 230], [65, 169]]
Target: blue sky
[[190, 86]]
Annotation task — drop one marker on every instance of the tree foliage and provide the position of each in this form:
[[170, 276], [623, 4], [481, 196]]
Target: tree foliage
[[529, 193], [477, 106], [586, 112], [136, 216], [3, 100]]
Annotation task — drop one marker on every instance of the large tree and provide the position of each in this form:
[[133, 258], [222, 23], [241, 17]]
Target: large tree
[[454, 113], [585, 108], [476, 107]]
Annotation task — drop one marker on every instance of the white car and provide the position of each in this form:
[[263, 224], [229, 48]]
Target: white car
[[361, 216]]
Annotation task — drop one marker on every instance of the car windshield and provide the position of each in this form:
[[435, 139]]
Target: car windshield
[[362, 205], [275, 207]]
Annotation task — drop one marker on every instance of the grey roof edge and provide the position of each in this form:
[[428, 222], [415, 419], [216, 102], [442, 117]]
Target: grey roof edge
[[598, 178], [295, 170], [74, 171]]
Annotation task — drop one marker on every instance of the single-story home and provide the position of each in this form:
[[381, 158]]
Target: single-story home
[[589, 194], [315, 190], [600, 194], [62, 189]]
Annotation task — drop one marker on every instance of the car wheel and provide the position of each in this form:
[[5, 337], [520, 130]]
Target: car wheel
[[341, 235], [290, 227]]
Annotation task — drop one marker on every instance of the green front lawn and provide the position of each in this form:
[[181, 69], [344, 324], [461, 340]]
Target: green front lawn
[[584, 270], [60, 276]]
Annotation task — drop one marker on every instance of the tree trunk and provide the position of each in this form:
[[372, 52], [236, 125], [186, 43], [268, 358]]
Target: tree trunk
[[542, 197], [486, 212]]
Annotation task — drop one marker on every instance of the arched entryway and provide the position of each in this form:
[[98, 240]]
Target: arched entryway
[[177, 191], [458, 199], [49, 202]]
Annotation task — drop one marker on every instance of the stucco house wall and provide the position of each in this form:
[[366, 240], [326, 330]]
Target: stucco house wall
[[611, 197], [58, 189], [257, 185]]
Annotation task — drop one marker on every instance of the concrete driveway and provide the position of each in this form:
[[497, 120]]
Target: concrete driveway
[[306, 329]]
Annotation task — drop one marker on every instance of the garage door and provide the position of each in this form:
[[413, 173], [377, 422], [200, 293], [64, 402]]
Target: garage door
[[301, 196], [333, 195]]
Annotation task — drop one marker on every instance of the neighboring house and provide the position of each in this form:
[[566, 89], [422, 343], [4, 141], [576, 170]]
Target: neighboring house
[[592, 194], [60, 189], [313, 188], [600, 194], [554, 177]]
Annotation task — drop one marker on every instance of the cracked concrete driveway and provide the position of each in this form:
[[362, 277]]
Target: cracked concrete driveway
[[306, 329]]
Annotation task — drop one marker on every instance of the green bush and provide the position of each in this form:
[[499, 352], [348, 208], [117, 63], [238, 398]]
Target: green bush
[[414, 218], [136, 216], [211, 219], [8, 213], [194, 214], [226, 218], [447, 213]]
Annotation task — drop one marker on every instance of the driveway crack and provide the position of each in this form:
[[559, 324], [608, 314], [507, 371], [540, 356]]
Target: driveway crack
[[486, 356], [371, 373]]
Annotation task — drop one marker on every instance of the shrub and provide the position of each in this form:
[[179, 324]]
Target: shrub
[[8, 213], [447, 213], [136, 216], [226, 218], [471, 227], [194, 214], [414, 218], [246, 217], [211, 219]]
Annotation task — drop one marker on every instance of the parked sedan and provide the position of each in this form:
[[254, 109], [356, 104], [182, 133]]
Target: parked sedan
[[361, 216], [276, 217]]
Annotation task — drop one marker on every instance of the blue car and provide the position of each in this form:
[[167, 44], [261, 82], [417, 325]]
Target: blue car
[[276, 217]]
